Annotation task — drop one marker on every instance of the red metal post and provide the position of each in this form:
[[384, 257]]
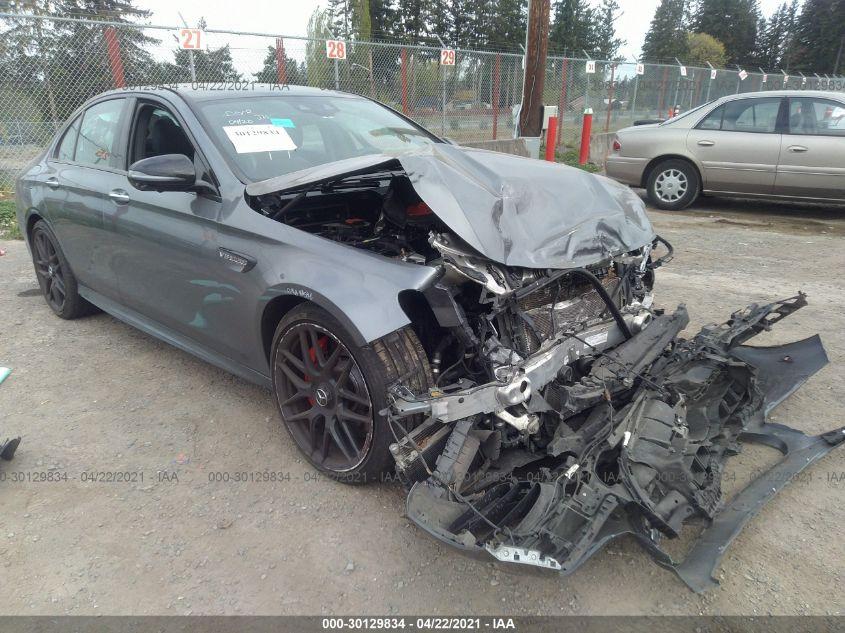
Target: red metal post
[[551, 139], [586, 130], [610, 97], [281, 64], [113, 50], [404, 74], [497, 69], [561, 106]]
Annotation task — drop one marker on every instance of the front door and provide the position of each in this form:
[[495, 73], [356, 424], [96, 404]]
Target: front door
[[165, 243], [738, 145]]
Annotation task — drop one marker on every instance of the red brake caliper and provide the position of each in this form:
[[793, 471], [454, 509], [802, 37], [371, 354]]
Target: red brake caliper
[[323, 342]]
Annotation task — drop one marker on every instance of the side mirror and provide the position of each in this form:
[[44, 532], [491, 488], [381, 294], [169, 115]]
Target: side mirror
[[168, 172]]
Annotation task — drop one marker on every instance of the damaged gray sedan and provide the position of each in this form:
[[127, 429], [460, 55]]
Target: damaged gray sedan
[[481, 324]]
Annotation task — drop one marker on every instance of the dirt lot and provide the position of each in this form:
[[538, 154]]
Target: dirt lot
[[95, 395]]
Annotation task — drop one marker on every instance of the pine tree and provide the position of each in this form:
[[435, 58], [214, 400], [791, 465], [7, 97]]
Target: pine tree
[[573, 27], [732, 22], [607, 44], [384, 17], [340, 18], [819, 34], [269, 73], [666, 38], [507, 25]]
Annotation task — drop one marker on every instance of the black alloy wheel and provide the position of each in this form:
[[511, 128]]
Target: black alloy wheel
[[49, 270], [323, 398]]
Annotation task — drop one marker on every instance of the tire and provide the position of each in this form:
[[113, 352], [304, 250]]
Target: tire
[[673, 185], [329, 391], [57, 281]]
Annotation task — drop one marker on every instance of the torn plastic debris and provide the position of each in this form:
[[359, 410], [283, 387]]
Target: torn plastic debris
[[642, 468]]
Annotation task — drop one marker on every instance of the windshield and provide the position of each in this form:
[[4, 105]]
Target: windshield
[[687, 113], [272, 136]]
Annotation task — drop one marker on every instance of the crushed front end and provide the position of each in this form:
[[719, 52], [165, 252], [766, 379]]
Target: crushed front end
[[568, 412]]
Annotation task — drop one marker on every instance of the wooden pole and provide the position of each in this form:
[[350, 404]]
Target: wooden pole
[[531, 115]]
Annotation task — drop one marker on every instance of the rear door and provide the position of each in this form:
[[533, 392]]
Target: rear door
[[738, 145], [812, 157], [81, 172]]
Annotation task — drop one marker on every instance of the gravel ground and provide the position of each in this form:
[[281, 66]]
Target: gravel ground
[[94, 395]]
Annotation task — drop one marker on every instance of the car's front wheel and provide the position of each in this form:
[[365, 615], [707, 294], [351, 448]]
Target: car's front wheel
[[329, 391], [673, 185]]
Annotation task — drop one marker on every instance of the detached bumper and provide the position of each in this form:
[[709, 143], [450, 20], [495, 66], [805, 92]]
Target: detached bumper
[[641, 469]]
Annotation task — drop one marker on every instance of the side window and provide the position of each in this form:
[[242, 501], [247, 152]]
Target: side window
[[713, 121], [98, 132], [816, 116], [751, 115], [68, 145], [157, 132]]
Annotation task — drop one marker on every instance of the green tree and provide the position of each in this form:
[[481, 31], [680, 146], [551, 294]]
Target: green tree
[[703, 48], [269, 72], [820, 37], [666, 37], [607, 45], [573, 27], [732, 22], [70, 58], [318, 70]]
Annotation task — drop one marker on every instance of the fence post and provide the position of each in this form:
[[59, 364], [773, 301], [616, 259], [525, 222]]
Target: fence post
[[113, 50], [551, 139], [586, 129], [404, 74], [281, 68], [497, 69], [610, 97], [662, 100], [561, 108]]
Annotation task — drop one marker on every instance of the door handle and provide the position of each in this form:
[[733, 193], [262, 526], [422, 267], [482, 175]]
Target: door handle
[[52, 182], [797, 148], [119, 196], [706, 143]]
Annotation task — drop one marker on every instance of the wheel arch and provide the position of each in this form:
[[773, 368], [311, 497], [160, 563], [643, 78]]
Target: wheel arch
[[32, 218], [654, 162], [282, 301]]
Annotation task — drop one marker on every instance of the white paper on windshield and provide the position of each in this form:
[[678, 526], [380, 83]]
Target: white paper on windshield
[[259, 138]]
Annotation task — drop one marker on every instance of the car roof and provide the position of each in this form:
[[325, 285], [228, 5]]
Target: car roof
[[214, 91], [785, 93]]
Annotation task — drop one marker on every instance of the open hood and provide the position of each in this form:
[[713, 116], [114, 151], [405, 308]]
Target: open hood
[[513, 210]]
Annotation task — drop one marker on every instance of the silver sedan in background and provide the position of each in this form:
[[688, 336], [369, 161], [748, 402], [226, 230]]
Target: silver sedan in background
[[781, 144]]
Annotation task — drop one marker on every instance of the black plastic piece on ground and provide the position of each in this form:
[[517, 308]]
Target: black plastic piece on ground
[[8, 448]]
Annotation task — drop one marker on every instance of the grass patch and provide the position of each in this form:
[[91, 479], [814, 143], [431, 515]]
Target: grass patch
[[8, 222], [570, 157]]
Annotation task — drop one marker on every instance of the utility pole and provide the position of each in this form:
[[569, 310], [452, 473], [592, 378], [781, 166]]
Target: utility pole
[[531, 115]]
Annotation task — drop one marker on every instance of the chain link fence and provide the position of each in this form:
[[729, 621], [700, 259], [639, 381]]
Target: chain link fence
[[51, 65]]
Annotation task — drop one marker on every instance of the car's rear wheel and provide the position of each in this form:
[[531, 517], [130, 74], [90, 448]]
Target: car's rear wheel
[[673, 185], [329, 391], [57, 281]]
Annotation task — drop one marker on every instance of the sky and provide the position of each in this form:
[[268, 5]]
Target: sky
[[290, 17]]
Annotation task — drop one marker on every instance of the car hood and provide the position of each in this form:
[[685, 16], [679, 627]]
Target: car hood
[[513, 210]]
